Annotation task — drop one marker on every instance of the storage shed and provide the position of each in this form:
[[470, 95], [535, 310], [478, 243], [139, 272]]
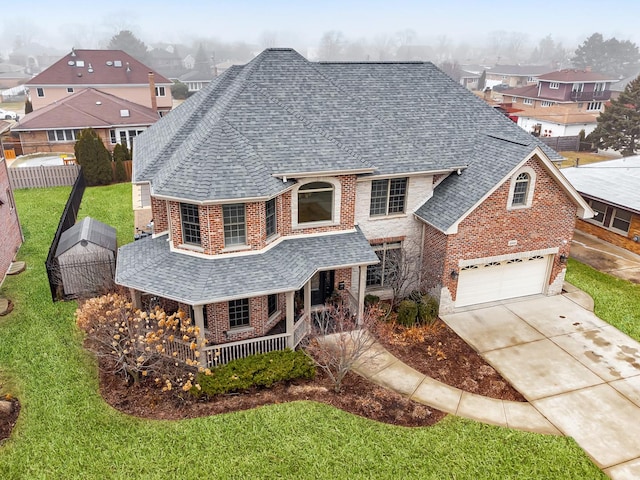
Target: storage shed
[[86, 257]]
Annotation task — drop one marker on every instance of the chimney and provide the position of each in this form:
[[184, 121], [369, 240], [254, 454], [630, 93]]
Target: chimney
[[152, 90], [587, 68]]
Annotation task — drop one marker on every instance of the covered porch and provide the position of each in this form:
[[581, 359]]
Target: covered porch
[[237, 300]]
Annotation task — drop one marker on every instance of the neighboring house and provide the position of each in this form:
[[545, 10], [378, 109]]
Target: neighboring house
[[515, 75], [611, 188], [10, 232], [618, 87], [12, 76], [286, 182], [54, 128], [196, 80], [189, 62], [166, 61], [562, 102], [111, 71]]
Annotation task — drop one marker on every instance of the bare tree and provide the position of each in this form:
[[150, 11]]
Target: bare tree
[[339, 340], [331, 46]]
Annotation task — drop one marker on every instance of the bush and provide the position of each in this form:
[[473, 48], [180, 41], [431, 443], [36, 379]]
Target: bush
[[261, 370], [371, 299], [94, 158], [428, 309], [407, 313]]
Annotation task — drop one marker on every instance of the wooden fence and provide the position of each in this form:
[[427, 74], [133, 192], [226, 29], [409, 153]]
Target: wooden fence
[[53, 175], [563, 144], [43, 176]]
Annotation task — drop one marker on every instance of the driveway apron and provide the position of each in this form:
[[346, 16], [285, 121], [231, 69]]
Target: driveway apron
[[581, 373]]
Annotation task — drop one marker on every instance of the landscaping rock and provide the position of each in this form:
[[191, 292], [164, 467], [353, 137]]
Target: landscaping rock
[[6, 407], [16, 267], [5, 306]]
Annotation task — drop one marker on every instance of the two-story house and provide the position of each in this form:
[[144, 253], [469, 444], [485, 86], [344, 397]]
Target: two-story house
[[514, 76], [562, 103], [285, 182], [111, 71], [10, 232]]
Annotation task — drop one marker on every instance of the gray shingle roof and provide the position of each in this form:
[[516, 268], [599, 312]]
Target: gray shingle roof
[[613, 181], [281, 114], [91, 230], [148, 265]]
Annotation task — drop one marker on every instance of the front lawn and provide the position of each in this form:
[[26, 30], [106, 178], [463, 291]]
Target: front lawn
[[67, 431]]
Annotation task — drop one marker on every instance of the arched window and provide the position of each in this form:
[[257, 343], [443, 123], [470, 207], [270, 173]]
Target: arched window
[[315, 202], [521, 190]]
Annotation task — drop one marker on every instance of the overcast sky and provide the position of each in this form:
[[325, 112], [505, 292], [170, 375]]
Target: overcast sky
[[63, 23]]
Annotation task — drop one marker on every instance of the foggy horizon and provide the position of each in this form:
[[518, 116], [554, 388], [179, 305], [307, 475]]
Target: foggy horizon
[[301, 26]]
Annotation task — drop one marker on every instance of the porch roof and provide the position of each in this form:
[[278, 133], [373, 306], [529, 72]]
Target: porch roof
[[150, 266]]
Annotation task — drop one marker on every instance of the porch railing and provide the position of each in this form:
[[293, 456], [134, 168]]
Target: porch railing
[[179, 350]]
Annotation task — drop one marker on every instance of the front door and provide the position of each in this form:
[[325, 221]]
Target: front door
[[321, 287]]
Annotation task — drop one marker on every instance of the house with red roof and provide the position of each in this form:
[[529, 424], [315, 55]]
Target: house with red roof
[[111, 71], [562, 103], [54, 127]]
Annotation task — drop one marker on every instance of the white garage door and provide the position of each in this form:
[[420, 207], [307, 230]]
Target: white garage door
[[488, 282]]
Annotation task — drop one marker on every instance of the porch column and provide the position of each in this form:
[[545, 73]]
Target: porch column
[[136, 300], [198, 314], [307, 299], [362, 287], [290, 317]]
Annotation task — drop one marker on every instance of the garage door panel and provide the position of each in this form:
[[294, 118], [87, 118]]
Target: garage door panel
[[502, 280]]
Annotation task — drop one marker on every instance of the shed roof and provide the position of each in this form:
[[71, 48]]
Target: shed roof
[[89, 230], [613, 181]]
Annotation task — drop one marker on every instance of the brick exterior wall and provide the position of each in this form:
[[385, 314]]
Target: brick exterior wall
[[614, 238], [549, 223], [9, 223], [159, 215]]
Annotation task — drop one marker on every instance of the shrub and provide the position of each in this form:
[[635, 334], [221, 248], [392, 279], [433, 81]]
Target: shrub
[[263, 370], [371, 299], [407, 313], [428, 309]]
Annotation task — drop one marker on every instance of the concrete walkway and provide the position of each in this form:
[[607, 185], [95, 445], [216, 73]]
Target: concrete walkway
[[605, 257], [579, 372]]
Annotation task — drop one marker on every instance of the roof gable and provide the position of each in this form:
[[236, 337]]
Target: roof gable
[[89, 230], [97, 67], [569, 76]]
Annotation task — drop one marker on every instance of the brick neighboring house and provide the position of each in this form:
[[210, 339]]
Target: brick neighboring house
[[286, 181], [54, 128], [10, 232], [562, 103], [611, 188], [111, 71]]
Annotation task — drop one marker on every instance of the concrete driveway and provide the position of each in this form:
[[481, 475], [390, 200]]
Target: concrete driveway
[[605, 257], [581, 373]]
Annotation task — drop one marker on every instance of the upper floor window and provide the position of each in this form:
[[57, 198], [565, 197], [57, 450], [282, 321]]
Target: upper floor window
[[160, 92], [554, 85], [40, 92], [577, 87], [547, 104], [315, 202], [521, 189], [594, 105], [235, 232], [239, 313], [190, 217], [69, 89], [270, 217], [599, 87], [388, 196], [527, 101]]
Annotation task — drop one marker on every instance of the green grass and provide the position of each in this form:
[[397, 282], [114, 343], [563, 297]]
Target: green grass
[[616, 300], [66, 431]]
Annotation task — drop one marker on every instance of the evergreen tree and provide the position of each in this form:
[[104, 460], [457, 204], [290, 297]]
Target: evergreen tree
[[619, 125], [120, 154], [179, 90], [94, 158], [127, 41], [613, 57]]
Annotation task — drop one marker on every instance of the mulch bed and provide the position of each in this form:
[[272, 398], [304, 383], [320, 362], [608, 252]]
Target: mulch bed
[[8, 420]]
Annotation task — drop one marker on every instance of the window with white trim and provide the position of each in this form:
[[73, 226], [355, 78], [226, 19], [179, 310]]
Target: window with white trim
[[546, 103], [190, 218], [521, 189], [577, 87], [67, 135], [388, 196], [235, 231], [554, 85], [239, 313], [315, 202], [69, 89], [272, 304], [40, 92], [527, 101], [160, 92], [385, 273], [594, 106], [611, 218]]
